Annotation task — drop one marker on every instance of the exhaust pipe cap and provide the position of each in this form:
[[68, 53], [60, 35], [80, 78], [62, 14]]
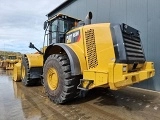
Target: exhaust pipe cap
[[88, 18], [90, 15]]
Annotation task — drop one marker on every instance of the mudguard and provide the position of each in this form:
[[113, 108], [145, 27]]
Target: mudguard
[[74, 61]]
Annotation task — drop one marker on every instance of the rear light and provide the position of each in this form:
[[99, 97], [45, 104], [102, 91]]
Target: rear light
[[124, 69]]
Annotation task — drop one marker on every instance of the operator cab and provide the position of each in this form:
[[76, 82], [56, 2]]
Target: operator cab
[[10, 57], [58, 26]]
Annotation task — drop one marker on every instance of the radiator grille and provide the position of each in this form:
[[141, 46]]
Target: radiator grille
[[91, 48], [133, 46]]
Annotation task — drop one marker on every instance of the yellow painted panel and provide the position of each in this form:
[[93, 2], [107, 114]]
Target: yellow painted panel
[[78, 48], [35, 60], [101, 78], [99, 35], [122, 79], [17, 72], [89, 75]]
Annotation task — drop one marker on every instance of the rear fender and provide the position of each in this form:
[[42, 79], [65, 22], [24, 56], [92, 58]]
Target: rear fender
[[62, 48]]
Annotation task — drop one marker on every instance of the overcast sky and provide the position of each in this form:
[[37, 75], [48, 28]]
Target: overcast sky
[[21, 21]]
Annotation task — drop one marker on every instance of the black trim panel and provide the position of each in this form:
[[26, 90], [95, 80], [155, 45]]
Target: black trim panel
[[36, 72], [119, 48], [74, 61]]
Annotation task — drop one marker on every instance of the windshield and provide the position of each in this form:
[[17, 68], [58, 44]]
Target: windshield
[[65, 26], [58, 29], [12, 57]]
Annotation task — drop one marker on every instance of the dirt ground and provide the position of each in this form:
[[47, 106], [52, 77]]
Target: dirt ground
[[18, 102]]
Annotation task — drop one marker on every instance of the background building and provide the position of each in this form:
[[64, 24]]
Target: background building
[[143, 15]]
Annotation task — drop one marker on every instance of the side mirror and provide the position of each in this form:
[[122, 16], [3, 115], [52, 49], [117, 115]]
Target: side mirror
[[31, 45], [45, 25]]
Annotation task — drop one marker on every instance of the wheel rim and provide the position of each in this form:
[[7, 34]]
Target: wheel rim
[[23, 72], [52, 78]]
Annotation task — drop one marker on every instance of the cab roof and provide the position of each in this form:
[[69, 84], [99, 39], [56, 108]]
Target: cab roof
[[62, 15]]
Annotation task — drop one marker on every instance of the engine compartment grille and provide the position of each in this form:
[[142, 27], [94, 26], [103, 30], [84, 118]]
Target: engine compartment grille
[[133, 45], [91, 48]]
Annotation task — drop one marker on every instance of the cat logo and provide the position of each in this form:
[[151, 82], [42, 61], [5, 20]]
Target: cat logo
[[72, 37]]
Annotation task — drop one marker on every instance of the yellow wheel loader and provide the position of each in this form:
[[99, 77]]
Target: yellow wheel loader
[[82, 56], [8, 64], [29, 68], [11, 61]]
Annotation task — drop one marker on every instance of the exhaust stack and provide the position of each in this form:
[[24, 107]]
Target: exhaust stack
[[88, 18]]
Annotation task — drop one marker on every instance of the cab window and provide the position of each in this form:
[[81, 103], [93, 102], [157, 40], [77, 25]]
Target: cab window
[[54, 31]]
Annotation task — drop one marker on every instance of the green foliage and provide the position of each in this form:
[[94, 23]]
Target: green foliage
[[4, 54]]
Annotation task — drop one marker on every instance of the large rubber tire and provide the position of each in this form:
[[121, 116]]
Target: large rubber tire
[[67, 85], [25, 72]]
